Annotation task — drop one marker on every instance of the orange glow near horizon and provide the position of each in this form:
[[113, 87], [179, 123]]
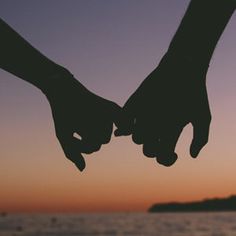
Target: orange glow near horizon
[[116, 179]]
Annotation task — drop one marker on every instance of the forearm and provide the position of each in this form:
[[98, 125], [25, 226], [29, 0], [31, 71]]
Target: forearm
[[18, 57], [200, 29]]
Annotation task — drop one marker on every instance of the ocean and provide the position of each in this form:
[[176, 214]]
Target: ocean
[[109, 224]]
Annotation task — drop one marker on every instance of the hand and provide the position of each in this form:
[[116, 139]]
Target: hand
[[78, 111], [172, 96]]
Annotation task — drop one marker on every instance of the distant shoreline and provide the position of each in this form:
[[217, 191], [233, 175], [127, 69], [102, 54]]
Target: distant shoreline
[[207, 205]]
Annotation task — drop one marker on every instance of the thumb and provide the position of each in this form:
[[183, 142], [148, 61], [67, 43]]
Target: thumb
[[200, 137]]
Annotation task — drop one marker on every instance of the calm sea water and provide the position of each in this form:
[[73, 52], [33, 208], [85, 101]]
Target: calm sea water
[[165, 224]]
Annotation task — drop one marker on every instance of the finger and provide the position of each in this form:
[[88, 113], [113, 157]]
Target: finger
[[137, 136], [160, 140], [200, 137], [150, 148], [79, 162], [167, 160], [125, 121], [145, 130], [71, 148], [166, 152], [103, 134], [141, 131], [89, 146], [121, 120], [75, 155], [92, 141], [100, 134], [106, 134], [116, 115]]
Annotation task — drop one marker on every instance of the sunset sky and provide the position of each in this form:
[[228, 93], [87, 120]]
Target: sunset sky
[[110, 46]]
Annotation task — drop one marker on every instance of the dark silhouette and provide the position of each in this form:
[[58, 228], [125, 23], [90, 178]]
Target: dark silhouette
[[175, 94], [215, 204], [75, 109]]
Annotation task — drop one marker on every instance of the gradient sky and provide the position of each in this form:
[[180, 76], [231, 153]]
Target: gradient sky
[[110, 46]]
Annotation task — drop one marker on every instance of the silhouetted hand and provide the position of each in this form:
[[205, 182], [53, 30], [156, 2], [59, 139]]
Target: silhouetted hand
[[77, 110], [172, 96]]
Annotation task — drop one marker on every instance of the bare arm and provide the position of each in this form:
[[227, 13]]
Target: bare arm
[[21, 59], [200, 30]]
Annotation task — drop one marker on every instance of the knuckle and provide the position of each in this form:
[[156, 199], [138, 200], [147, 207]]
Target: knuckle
[[136, 139], [107, 140], [148, 153], [150, 149], [90, 147]]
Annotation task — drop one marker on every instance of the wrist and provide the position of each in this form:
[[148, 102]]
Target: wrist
[[55, 77], [62, 84], [201, 28], [186, 61]]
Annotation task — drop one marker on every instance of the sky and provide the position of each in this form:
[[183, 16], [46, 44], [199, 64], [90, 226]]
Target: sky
[[110, 47]]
